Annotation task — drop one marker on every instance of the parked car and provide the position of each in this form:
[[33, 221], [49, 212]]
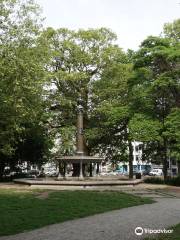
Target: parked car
[[156, 172], [109, 173], [143, 172], [51, 173]]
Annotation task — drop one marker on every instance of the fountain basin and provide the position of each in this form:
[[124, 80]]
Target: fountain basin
[[82, 183]]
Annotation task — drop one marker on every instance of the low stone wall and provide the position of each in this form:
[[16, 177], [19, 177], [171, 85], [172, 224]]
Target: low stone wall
[[102, 182]]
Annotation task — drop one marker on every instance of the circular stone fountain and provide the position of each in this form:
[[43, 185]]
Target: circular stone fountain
[[79, 161], [80, 158]]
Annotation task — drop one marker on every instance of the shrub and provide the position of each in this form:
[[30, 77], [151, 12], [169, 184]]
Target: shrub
[[154, 180], [175, 181], [138, 175]]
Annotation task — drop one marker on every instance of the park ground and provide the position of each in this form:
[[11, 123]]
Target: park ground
[[24, 209]]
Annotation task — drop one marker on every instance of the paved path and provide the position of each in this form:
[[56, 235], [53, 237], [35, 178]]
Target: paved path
[[114, 225]]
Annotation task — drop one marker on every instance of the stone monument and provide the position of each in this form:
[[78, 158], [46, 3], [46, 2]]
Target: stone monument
[[81, 157]]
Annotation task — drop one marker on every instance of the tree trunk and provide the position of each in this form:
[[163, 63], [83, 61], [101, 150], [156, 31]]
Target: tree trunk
[[165, 159], [165, 168], [130, 160]]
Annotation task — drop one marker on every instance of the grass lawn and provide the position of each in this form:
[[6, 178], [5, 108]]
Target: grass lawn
[[21, 211], [173, 236]]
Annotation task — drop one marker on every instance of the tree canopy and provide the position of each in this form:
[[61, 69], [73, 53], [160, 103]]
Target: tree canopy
[[127, 96], [21, 75]]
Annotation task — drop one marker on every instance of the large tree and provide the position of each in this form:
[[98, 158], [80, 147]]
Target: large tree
[[77, 59], [155, 91], [111, 113], [21, 73]]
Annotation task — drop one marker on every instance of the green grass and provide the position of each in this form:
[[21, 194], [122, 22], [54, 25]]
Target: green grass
[[23, 211], [173, 236]]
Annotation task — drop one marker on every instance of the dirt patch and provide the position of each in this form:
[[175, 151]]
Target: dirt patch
[[42, 195]]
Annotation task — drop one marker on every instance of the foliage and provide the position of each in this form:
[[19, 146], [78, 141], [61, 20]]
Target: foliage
[[140, 124], [172, 132], [154, 180], [77, 59], [126, 96], [110, 112], [173, 181], [22, 74], [155, 93], [33, 146], [172, 30]]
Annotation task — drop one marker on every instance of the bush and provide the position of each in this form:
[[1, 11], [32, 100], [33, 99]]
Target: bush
[[19, 175], [154, 180], [138, 175], [175, 181]]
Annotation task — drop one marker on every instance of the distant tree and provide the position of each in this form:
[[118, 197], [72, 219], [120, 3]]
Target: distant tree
[[172, 30]]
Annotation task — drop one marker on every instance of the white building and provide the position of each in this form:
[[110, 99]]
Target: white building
[[138, 164]]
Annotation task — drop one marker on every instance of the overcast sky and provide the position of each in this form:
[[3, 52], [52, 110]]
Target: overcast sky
[[131, 20]]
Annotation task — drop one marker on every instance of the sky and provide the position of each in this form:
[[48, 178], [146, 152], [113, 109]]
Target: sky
[[131, 20]]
